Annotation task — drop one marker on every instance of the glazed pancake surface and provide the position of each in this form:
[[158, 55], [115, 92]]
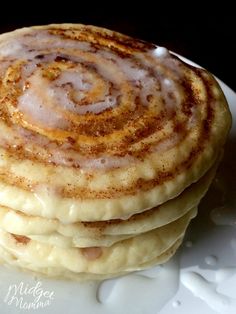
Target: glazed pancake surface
[[95, 125]]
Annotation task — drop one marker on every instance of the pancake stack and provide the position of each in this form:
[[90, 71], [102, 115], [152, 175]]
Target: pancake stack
[[107, 145]]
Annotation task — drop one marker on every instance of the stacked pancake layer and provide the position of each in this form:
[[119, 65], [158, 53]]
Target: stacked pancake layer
[[107, 145]]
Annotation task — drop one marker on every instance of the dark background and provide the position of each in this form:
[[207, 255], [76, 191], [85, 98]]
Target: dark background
[[204, 32]]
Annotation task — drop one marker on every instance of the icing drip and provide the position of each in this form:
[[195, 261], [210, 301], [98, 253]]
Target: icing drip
[[88, 106]]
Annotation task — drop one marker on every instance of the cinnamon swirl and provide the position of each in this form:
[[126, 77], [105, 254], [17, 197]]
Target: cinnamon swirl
[[107, 145]]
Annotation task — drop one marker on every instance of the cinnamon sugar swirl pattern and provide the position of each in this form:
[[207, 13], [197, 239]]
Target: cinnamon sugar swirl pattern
[[99, 127]]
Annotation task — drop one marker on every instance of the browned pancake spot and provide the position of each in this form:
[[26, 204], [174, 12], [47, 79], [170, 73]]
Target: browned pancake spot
[[20, 239]]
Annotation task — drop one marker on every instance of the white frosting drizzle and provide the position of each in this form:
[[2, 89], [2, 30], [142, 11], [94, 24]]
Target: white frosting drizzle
[[224, 215], [161, 52], [74, 78], [10, 48], [37, 101], [115, 69], [87, 84], [205, 290]]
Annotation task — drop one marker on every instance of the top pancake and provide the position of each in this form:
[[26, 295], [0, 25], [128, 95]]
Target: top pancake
[[95, 125]]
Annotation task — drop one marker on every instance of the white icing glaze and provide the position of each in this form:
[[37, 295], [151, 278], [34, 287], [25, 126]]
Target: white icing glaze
[[162, 279], [176, 303], [224, 215], [87, 84], [211, 260], [37, 103], [44, 47], [167, 143], [71, 158], [10, 49], [170, 93], [131, 71], [77, 79], [189, 244], [224, 274], [161, 52], [41, 106], [107, 162], [109, 297], [167, 82], [205, 290], [209, 291], [118, 298]]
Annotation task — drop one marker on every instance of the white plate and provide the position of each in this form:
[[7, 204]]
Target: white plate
[[201, 278]]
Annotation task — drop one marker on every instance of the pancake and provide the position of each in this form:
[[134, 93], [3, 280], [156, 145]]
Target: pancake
[[107, 145], [56, 272], [95, 125], [122, 256], [59, 240], [106, 233]]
